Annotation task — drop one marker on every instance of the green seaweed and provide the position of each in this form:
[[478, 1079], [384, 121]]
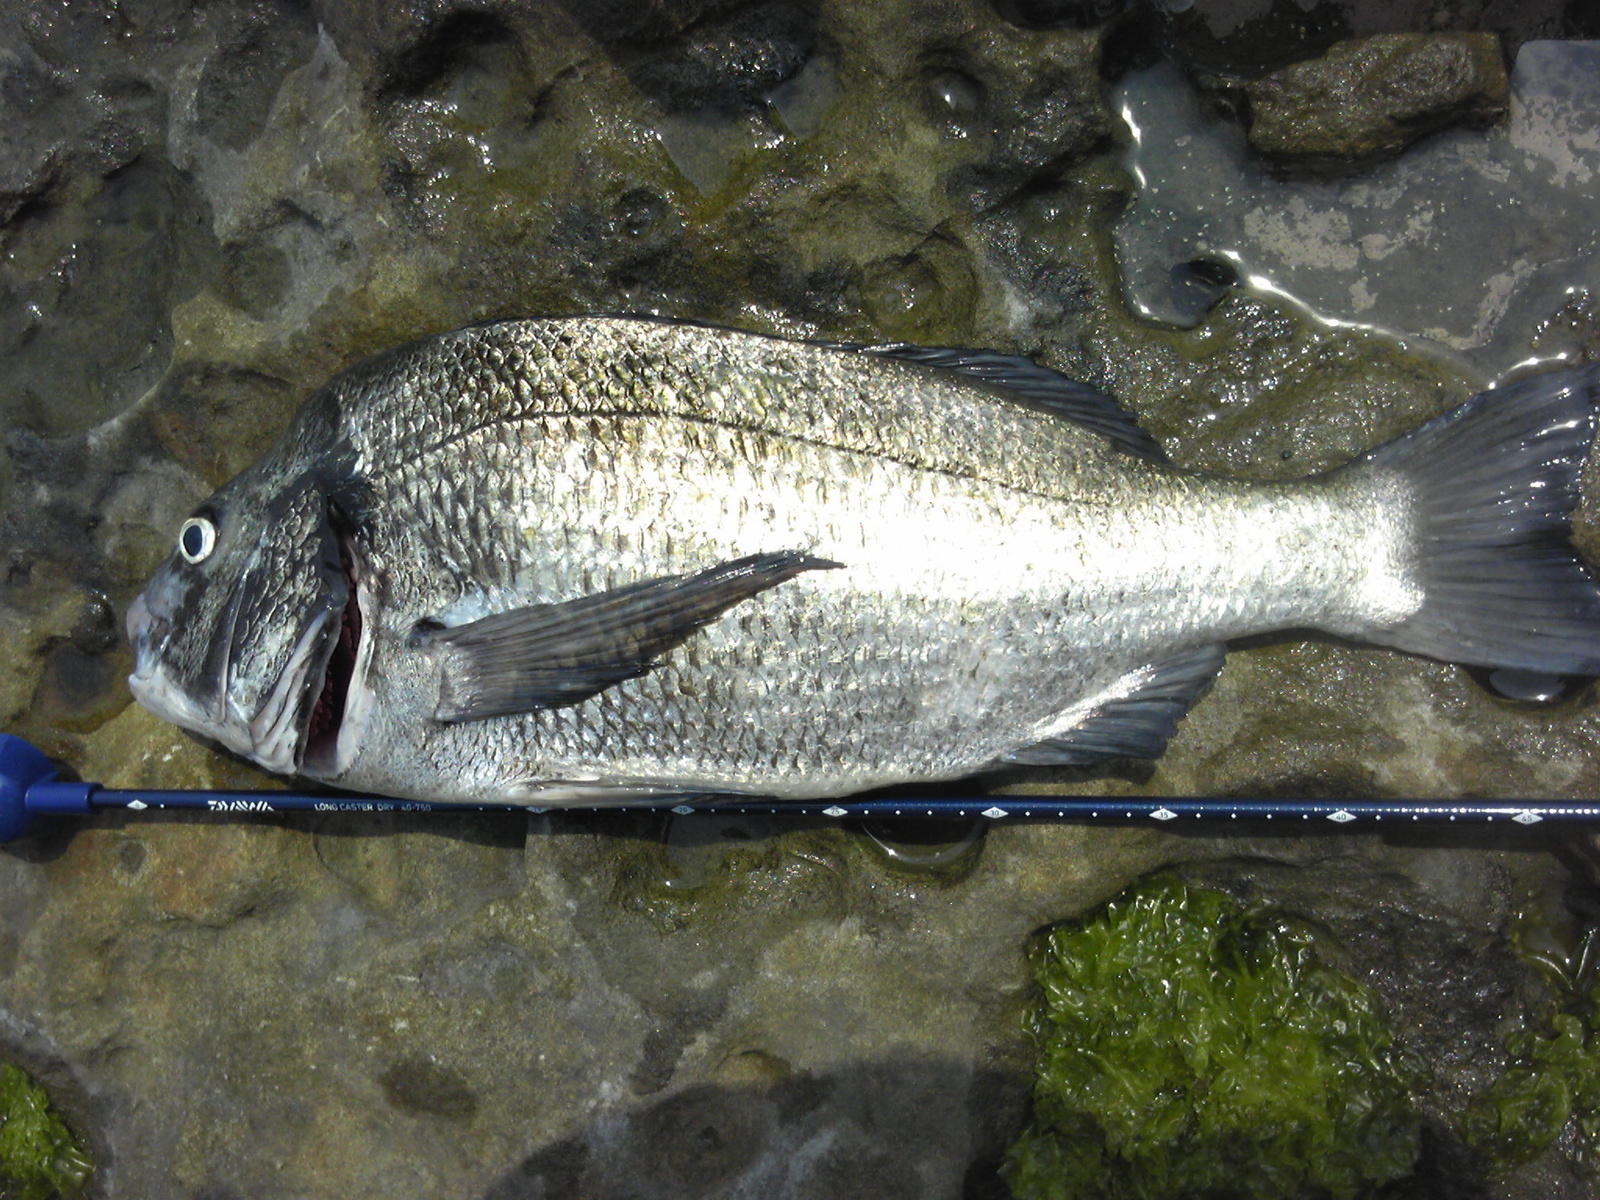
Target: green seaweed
[[1188, 1047], [1553, 1078], [39, 1157]]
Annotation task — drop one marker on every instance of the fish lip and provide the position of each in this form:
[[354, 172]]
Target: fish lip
[[148, 635]]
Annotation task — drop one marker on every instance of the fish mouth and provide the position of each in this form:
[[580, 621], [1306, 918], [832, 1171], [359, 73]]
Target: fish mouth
[[147, 634]]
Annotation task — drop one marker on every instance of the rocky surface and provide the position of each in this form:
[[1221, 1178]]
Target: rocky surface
[[568, 1006], [208, 211], [1371, 97], [1248, 38]]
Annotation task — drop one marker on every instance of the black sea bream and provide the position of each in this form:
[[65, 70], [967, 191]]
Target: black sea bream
[[605, 557]]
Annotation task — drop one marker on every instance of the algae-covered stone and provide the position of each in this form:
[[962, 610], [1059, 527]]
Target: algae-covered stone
[[1190, 1047], [1551, 1085], [1553, 1082], [40, 1159], [1371, 97]]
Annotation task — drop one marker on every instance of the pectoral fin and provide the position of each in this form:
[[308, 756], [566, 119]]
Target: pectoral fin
[[552, 655]]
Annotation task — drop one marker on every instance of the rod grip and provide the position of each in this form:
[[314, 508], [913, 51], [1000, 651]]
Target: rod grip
[[28, 787], [21, 766]]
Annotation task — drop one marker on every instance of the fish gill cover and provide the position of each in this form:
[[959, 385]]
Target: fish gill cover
[[1188, 1046]]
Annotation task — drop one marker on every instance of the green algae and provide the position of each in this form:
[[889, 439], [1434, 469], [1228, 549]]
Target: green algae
[[39, 1157], [1188, 1047], [1552, 1080]]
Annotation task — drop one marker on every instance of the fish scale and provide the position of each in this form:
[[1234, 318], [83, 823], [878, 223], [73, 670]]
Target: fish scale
[[858, 566], [667, 532]]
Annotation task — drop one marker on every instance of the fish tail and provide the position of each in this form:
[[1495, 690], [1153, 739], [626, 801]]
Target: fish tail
[[1492, 485]]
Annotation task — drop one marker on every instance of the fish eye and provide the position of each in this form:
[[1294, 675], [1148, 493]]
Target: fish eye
[[197, 539]]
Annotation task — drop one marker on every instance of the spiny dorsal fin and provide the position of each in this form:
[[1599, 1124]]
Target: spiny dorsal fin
[[553, 655], [1022, 377], [1044, 388]]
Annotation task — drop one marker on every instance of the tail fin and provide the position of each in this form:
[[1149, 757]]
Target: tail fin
[[1494, 484]]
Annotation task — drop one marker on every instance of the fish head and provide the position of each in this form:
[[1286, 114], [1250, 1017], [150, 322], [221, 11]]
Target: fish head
[[234, 634]]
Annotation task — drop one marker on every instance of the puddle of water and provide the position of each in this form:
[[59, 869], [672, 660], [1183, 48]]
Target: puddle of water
[[1535, 689], [708, 146], [945, 849], [1470, 240], [803, 101], [695, 846]]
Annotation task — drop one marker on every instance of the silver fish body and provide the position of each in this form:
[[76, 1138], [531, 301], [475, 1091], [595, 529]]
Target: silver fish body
[[604, 557]]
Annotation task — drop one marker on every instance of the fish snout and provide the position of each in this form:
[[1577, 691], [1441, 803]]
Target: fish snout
[[147, 634]]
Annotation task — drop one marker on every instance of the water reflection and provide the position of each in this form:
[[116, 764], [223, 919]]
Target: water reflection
[[1472, 240]]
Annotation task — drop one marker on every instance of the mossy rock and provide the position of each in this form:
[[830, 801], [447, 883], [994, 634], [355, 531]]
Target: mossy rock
[[1190, 1047], [1369, 98], [39, 1156], [1551, 1086]]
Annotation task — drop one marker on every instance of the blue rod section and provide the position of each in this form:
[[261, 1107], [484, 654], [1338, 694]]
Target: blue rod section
[[28, 788], [1162, 809]]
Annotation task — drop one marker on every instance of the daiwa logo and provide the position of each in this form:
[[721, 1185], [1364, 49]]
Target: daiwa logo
[[239, 806]]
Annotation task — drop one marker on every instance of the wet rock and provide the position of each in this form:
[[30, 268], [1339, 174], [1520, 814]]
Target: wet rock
[[1059, 14], [724, 135], [70, 671], [909, 297], [95, 629], [426, 873], [71, 110], [32, 157], [115, 264], [726, 62], [240, 82], [1248, 38], [1371, 97], [79, 692], [421, 1086], [1436, 949], [206, 418]]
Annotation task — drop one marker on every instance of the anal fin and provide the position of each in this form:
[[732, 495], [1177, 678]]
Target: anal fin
[[553, 655], [1135, 722]]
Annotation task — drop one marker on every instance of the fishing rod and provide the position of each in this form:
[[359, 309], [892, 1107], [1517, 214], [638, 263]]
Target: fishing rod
[[29, 789]]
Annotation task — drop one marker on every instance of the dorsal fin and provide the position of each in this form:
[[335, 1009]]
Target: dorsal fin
[[1040, 386], [1025, 379]]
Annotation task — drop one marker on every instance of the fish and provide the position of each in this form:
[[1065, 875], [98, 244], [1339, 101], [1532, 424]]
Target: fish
[[599, 558]]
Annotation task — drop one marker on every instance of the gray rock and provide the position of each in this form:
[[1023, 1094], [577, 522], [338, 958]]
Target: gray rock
[[1245, 39]]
